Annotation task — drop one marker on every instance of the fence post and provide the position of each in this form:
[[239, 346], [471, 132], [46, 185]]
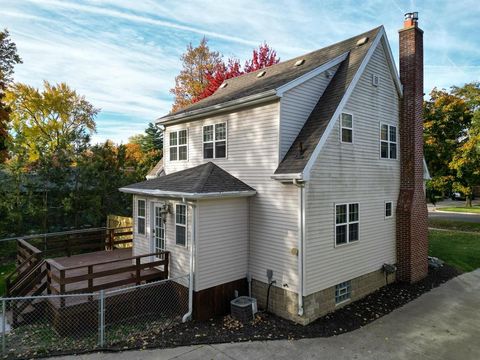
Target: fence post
[[101, 320], [4, 325]]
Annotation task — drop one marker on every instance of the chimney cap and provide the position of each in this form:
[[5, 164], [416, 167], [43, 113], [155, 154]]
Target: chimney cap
[[411, 15]]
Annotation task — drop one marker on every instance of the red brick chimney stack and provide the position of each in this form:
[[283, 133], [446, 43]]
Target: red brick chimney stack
[[412, 215]]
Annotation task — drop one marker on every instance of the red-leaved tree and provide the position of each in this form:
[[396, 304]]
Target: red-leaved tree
[[261, 58]]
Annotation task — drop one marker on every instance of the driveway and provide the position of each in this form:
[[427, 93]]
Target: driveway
[[475, 218], [441, 324]]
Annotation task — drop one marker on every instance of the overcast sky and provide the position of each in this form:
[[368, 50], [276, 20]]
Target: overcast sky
[[123, 55]]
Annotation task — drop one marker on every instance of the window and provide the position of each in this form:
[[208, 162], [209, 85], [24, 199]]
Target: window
[[141, 217], [159, 230], [178, 145], [388, 142], [181, 225], [388, 209], [342, 292], [347, 128], [346, 223], [215, 141]]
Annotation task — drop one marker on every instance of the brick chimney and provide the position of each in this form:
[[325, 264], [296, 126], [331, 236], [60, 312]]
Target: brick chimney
[[412, 215]]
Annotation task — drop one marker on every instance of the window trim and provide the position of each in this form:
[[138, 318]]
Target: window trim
[[342, 127], [144, 217], [347, 223], [349, 292], [388, 142], [385, 209], [184, 225], [214, 141], [177, 146]]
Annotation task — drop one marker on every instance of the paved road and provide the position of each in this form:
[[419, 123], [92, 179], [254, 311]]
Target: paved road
[[441, 324], [454, 216]]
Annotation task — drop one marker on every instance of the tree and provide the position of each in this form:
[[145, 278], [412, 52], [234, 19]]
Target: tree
[[261, 58], [49, 121], [8, 59], [190, 83]]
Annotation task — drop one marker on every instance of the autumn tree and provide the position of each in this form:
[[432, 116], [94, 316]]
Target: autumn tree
[[261, 58], [8, 59], [191, 82]]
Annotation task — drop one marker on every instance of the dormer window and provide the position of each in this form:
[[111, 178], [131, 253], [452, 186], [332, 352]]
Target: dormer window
[[215, 141], [178, 145]]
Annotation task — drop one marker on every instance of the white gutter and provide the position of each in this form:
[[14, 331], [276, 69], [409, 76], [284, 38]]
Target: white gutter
[[192, 196], [224, 106], [188, 315], [301, 245], [287, 177]]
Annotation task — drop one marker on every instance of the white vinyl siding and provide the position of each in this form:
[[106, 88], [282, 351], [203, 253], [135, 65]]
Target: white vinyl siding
[[253, 149], [222, 243], [297, 104], [354, 174]]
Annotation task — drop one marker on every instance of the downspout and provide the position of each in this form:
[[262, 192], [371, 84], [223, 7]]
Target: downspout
[[188, 315], [300, 245]]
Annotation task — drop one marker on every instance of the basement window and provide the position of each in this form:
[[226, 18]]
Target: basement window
[[141, 217], [181, 225], [388, 141], [346, 123], [343, 292], [346, 223]]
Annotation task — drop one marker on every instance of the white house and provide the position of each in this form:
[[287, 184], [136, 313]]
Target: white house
[[300, 175]]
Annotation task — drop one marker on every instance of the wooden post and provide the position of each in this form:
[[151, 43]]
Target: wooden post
[[137, 272], [167, 262], [49, 279], [62, 287], [111, 238]]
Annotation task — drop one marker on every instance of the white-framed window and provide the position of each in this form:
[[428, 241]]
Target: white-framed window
[[158, 229], [178, 145], [388, 209], [346, 223], [343, 292], [181, 225], [215, 141], [141, 209], [346, 128], [388, 141]]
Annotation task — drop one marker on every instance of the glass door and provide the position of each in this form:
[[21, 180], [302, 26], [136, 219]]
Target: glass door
[[158, 230]]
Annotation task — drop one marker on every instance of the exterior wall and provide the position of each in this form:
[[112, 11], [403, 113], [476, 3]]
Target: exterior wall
[[252, 156], [143, 244], [222, 242], [323, 301], [346, 173], [297, 104]]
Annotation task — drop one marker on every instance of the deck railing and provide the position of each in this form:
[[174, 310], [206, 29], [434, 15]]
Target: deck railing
[[105, 275]]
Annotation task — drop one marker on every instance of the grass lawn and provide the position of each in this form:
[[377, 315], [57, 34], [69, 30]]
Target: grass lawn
[[453, 225], [4, 271], [462, 209], [455, 248]]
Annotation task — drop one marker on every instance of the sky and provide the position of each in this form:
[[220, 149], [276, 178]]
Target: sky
[[123, 55]]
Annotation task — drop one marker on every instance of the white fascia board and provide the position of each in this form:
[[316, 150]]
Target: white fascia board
[[215, 109], [283, 177], [346, 96], [179, 195], [305, 77], [391, 63]]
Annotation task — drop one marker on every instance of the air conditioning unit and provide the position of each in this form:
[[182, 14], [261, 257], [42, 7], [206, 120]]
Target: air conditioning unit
[[243, 308]]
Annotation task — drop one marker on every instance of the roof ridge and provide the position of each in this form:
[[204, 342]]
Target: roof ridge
[[209, 167]]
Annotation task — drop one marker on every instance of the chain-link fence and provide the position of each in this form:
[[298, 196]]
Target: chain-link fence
[[116, 319]]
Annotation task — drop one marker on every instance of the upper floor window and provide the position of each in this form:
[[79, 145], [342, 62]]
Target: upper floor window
[[346, 128], [181, 224], [388, 209], [346, 223], [215, 141], [388, 142], [141, 217], [178, 145]]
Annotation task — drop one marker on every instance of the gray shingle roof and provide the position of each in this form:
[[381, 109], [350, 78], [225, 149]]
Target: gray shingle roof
[[276, 75], [202, 179], [302, 148]]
